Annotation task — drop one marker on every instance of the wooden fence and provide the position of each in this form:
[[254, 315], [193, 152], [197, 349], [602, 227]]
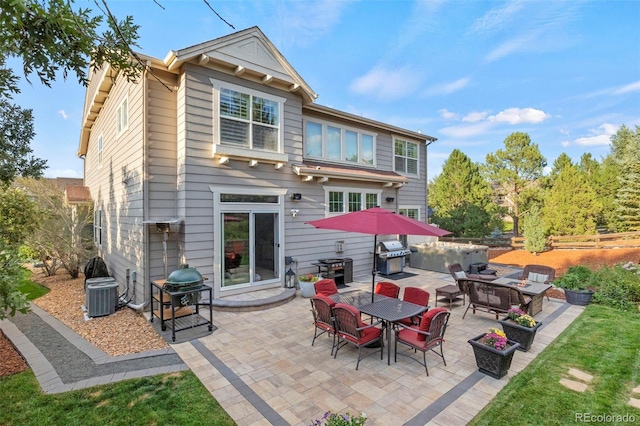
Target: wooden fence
[[622, 240]]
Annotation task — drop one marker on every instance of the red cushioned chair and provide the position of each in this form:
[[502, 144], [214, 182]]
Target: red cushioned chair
[[428, 336], [326, 287], [351, 329], [387, 289], [322, 309], [417, 296]]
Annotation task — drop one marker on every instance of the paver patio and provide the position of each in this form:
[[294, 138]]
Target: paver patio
[[262, 368]]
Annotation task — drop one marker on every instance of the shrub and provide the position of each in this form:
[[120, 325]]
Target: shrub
[[575, 278], [618, 287]]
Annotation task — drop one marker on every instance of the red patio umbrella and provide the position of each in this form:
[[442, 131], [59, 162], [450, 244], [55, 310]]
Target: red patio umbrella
[[377, 221]]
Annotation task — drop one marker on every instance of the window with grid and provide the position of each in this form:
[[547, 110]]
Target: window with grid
[[335, 143], [413, 213], [405, 157], [356, 200], [249, 120]]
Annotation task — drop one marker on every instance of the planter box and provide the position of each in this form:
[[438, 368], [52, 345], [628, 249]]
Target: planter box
[[579, 297], [518, 333], [307, 289], [491, 361]]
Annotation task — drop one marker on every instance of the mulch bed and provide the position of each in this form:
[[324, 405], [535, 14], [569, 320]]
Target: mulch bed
[[12, 361]]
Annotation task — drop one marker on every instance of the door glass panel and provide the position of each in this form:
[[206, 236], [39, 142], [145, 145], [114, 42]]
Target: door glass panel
[[265, 246], [237, 257]]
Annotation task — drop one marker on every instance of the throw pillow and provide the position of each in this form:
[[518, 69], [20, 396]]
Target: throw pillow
[[543, 278], [461, 275], [533, 277]]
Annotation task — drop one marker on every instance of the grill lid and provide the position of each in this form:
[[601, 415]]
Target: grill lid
[[392, 245], [184, 277]]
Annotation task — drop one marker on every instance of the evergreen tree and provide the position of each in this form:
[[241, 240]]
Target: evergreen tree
[[571, 207], [534, 231], [559, 164], [514, 169], [460, 192], [603, 178], [625, 148]]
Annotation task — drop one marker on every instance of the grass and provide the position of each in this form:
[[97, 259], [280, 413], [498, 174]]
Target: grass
[[603, 342], [169, 399], [32, 289]]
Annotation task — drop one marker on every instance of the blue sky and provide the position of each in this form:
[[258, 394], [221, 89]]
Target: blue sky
[[466, 72]]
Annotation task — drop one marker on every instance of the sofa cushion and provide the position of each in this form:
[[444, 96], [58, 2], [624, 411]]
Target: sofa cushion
[[461, 275]]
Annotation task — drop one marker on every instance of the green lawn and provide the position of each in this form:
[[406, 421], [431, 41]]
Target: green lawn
[[169, 399], [603, 342], [32, 289]]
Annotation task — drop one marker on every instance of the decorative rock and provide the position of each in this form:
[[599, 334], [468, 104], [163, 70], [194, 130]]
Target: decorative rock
[[634, 402]]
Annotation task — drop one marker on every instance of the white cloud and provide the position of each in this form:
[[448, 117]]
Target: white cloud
[[496, 18], [474, 117], [63, 114], [633, 87], [448, 88], [565, 143], [520, 115], [387, 84], [600, 136], [466, 131], [448, 115]]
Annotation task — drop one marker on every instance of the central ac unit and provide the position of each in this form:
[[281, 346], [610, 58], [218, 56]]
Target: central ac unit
[[102, 296]]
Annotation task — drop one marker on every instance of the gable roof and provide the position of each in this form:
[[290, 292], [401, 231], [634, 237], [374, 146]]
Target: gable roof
[[247, 54]]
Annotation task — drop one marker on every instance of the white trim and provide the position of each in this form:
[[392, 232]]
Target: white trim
[[100, 149], [411, 207], [219, 207], [218, 84], [393, 151], [120, 129]]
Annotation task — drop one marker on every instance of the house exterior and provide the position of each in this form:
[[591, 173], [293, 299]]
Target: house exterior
[[218, 156]]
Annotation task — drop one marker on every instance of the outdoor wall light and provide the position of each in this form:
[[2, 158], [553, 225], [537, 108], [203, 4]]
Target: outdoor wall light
[[390, 199], [296, 196], [294, 212]]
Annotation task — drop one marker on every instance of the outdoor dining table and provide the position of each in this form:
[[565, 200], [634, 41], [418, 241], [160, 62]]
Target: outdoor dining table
[[388, 309], [533, 289]]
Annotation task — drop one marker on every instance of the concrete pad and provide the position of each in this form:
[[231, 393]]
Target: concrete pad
[[573, 385]]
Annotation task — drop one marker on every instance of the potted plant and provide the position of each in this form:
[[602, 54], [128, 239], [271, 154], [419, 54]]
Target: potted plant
[[575, 283], [335, 419], [520, 327], [493, 352], [306, 285]]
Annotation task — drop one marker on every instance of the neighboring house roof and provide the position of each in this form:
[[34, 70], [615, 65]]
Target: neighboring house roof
[[311, 169], [77, 194]]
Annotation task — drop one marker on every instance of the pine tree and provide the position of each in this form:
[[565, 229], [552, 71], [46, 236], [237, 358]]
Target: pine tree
[[571, 207], [625, 147], [461, 198], [534, 231], [514, 169]]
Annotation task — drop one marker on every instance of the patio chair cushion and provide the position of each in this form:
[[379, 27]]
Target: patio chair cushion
[[355, 311], [537, 278], [461, 275], [326, 299], [326, 287], [387, 289], [425, 323]]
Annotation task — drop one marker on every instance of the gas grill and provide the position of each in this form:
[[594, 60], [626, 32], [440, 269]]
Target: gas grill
[[390, 257]]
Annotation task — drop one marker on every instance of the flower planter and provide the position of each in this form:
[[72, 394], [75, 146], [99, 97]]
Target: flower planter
[[307, 289], [580, 297], [490, 361], [519, 333]]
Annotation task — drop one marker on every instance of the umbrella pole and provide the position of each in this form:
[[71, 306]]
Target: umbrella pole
[[374, 269]]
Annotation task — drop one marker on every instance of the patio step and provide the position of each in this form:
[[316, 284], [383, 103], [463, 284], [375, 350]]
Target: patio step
[[231, 304]]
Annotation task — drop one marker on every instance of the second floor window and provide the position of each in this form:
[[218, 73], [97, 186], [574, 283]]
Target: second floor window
[[330, 142], [406, 156], [122, 117], [249, 120], [100, 151]]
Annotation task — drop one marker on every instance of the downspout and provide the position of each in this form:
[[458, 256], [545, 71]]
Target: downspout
[[426, 177], [145, 196]]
